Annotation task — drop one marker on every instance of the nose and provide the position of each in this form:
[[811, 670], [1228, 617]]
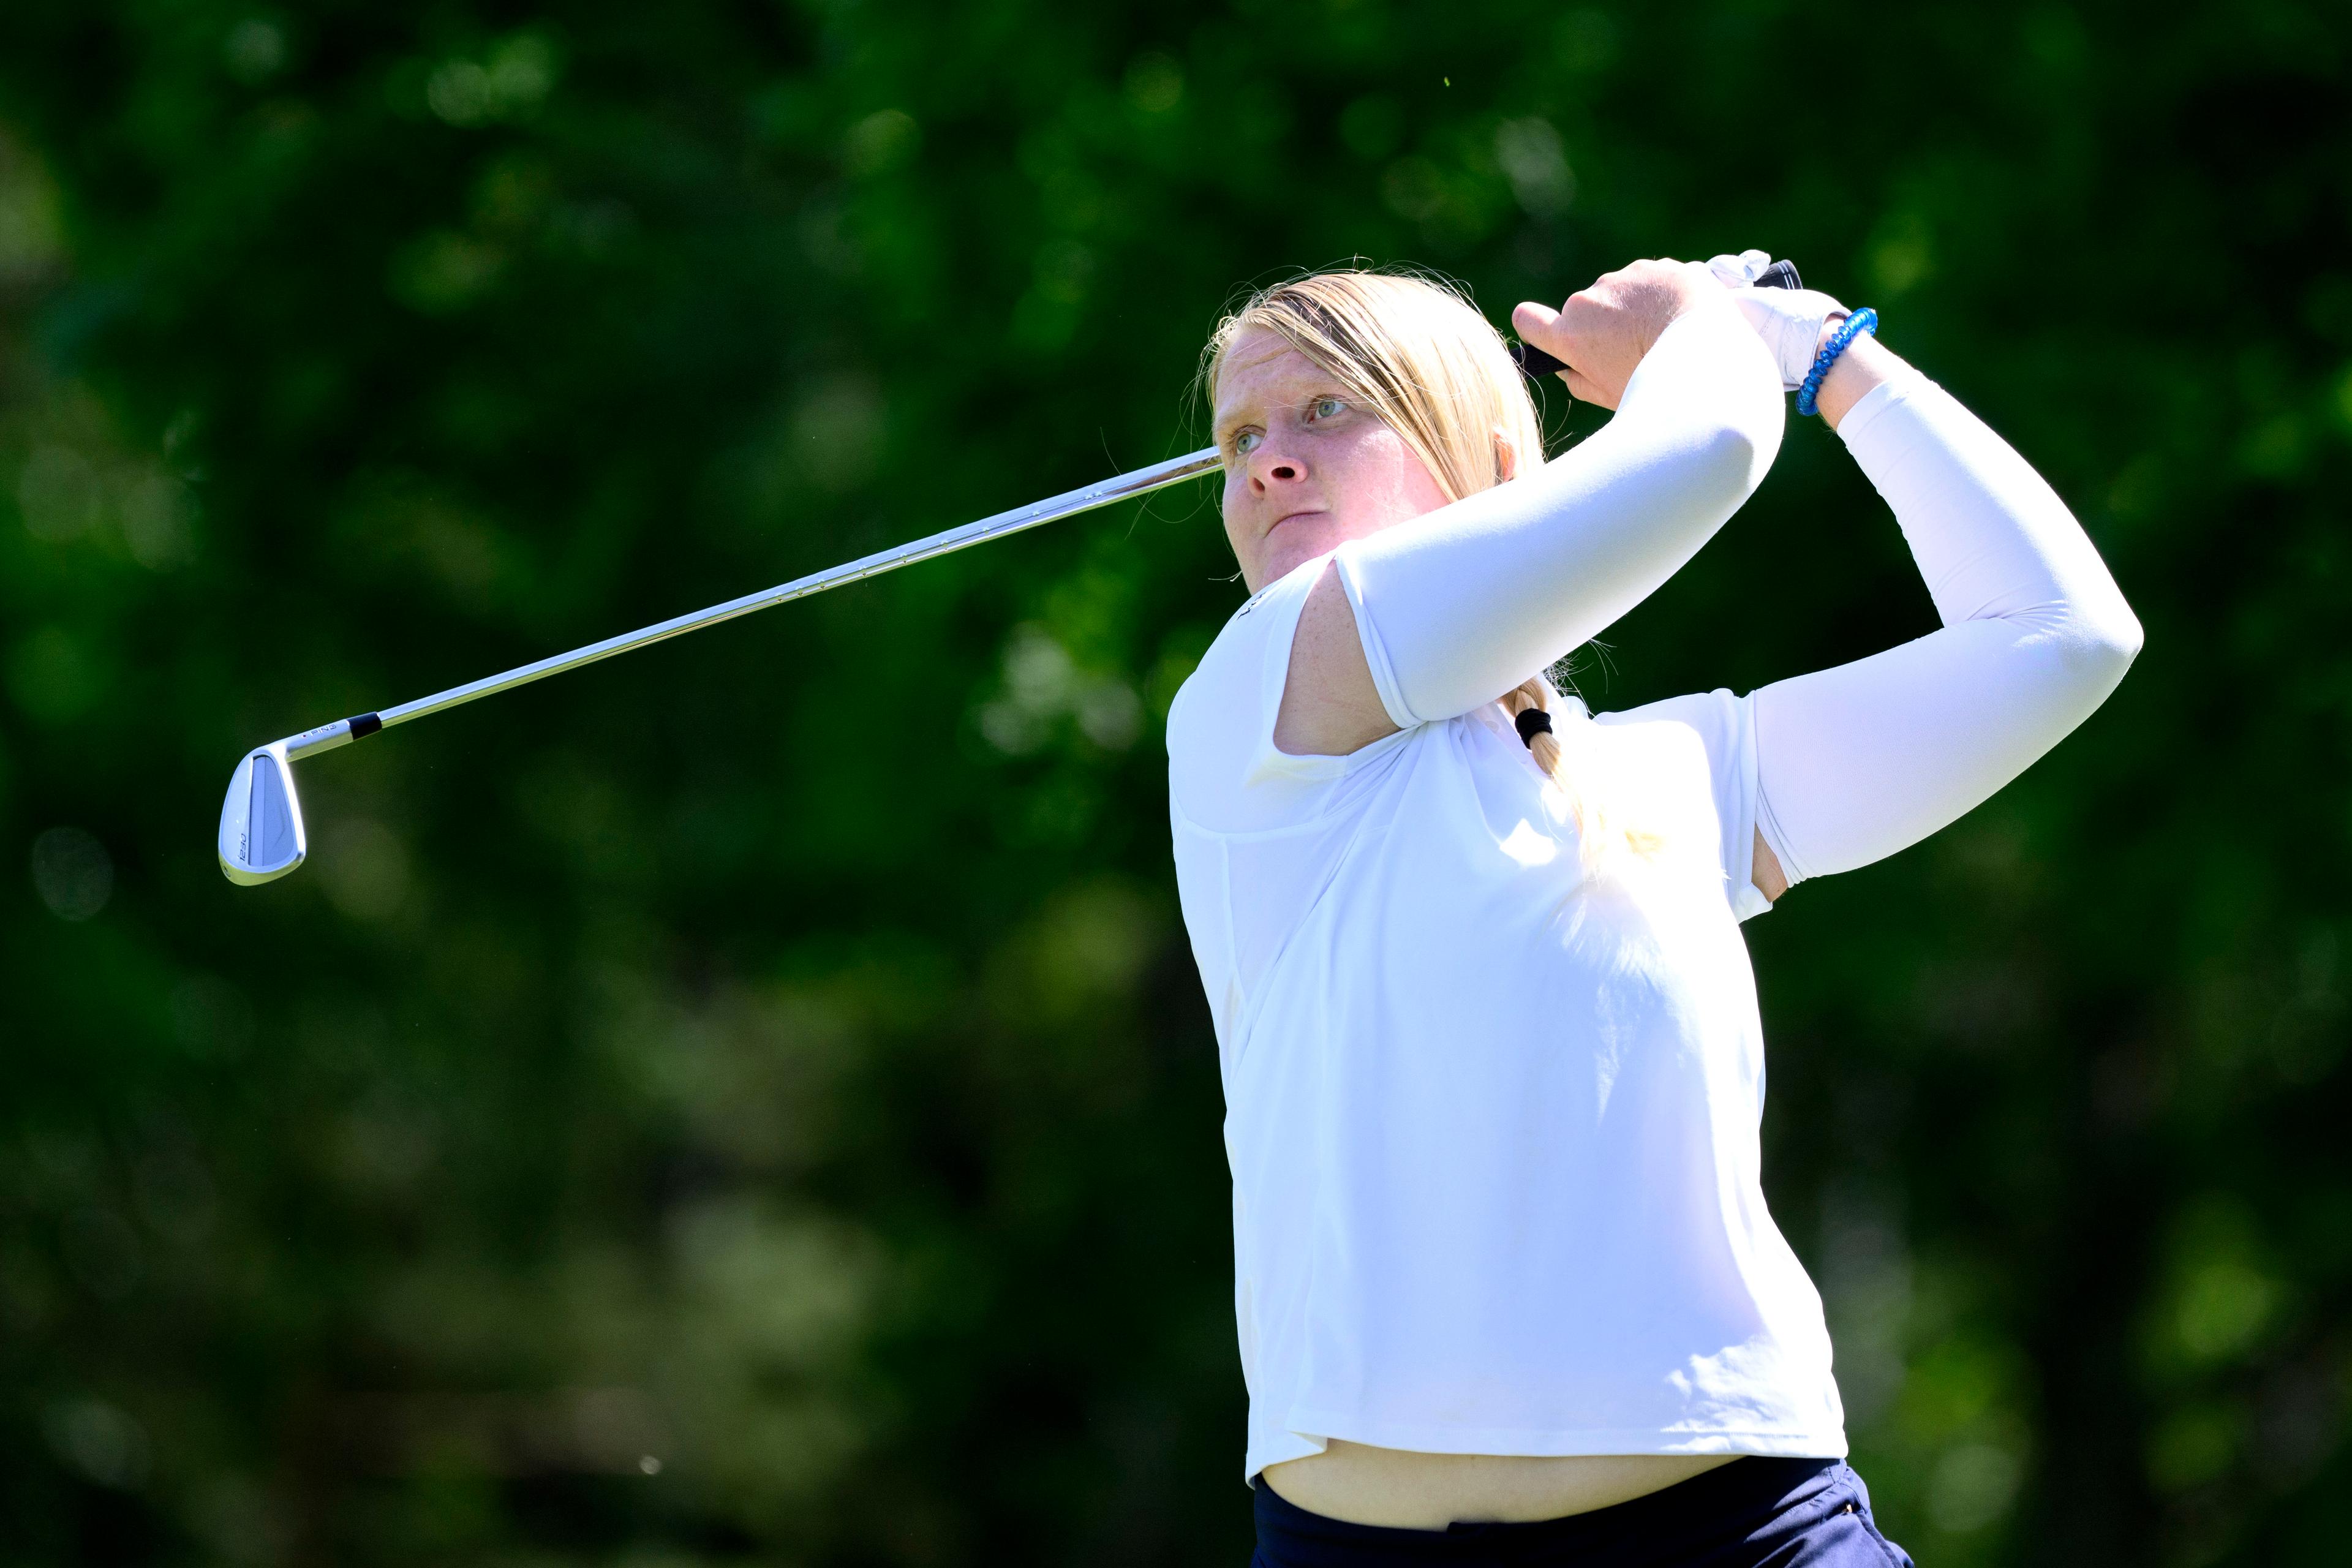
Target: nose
[[1270, 466]]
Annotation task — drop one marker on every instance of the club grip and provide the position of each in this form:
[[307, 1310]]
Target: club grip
[[1536, 363]]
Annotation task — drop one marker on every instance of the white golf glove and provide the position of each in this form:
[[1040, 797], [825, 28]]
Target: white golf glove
[[1738, 271], [1789, 320]]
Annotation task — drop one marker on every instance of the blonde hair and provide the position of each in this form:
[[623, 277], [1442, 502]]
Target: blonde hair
[[1414, 351]]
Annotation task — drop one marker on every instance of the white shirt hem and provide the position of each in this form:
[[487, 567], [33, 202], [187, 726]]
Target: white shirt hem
[[1309, 1433]]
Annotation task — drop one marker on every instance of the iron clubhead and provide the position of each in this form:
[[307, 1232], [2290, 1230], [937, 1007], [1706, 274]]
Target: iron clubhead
[[261, 835]]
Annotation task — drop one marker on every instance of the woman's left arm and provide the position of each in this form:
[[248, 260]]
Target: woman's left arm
[[1858, 762]]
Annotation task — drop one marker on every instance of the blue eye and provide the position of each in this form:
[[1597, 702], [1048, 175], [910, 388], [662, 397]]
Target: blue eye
[[1325, 407], [1246, 442]]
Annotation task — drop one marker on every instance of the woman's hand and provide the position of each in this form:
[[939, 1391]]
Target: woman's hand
[[1605, 329], [1794, 324]]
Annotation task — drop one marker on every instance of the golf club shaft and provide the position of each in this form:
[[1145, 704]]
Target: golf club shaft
[[1142, 481]]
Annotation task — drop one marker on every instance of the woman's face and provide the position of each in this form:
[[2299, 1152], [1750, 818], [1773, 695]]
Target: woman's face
[[1306, 469]]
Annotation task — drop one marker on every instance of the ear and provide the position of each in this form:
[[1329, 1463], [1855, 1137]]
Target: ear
[[1507, 460]]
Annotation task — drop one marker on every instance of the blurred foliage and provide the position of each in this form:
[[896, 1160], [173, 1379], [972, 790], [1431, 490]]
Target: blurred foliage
[[752, 1101]]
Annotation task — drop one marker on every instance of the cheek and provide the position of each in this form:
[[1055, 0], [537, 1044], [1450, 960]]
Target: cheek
[[1230, 504], [1422, 490], [1383, 479]]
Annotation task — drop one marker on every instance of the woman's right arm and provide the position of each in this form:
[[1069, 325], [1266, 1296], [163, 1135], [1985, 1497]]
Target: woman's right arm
[[1446, 612]]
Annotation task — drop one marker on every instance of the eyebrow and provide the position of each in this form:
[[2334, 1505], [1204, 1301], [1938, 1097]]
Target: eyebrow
[[1324, 385], [1222, 430]]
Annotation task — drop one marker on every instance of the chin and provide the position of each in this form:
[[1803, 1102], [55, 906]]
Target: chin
[[1282, 560], [1294, 544]]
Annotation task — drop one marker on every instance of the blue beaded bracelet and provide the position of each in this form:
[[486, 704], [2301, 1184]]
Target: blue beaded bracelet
[[1863, 320]]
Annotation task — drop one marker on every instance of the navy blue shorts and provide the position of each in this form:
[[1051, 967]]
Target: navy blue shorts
[[1750, 1513]]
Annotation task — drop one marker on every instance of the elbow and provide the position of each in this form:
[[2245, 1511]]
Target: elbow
[[2102, 647], [2118, 633], [2124, 639]]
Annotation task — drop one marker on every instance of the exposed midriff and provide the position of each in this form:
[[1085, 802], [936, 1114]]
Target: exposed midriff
[[1401, 1490]]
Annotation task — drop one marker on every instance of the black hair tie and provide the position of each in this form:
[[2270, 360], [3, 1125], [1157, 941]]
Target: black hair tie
[[1531, 723]]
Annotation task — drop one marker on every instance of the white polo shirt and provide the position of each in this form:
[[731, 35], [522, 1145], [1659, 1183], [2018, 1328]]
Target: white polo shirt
[[1493, 1125]]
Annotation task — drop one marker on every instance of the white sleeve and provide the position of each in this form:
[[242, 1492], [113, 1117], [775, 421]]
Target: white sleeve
[[1726, 727], [1856, 763], [1457, 607]]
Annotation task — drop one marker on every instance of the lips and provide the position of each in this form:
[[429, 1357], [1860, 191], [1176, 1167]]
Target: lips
[[1292, 516]]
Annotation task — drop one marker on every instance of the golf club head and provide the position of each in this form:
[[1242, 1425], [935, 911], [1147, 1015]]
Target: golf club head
[[261, 821]]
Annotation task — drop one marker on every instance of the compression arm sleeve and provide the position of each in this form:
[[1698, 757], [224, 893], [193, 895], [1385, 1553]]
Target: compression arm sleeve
[[1459, 607], [1856, 763]]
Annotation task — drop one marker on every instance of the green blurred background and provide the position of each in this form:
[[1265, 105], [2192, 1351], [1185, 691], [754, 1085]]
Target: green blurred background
[[752, 1102]]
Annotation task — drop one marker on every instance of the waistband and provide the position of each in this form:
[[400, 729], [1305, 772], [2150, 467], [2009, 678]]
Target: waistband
[[1682, 1523]]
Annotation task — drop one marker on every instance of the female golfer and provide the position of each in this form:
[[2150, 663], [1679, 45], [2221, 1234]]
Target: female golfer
[[1506, 1288]]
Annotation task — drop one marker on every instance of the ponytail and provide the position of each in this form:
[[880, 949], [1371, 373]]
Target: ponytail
[[1574, 761]]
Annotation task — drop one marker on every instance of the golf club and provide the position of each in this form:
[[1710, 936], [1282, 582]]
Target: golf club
[[262, 837], [261, 832]]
